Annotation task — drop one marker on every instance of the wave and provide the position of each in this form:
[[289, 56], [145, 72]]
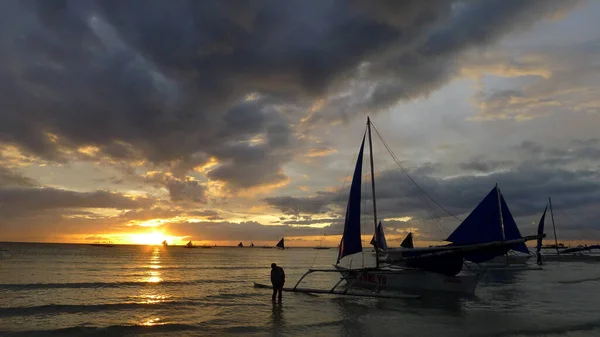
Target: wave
[[580, 281], [87, 308], [114, 330], [79, 285], [587, 327]]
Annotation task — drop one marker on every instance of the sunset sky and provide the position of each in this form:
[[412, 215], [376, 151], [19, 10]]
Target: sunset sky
[[227, 121]]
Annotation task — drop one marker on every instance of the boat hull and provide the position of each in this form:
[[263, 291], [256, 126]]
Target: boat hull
[[411, 280]]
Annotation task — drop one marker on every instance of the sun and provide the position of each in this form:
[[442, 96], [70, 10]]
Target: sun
[[154, 238]]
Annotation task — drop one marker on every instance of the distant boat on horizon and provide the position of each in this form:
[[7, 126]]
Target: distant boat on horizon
[[240, 245], [251, 244], [102, 244], [321, 247], [280, 244], [189, 245], [164, 243]]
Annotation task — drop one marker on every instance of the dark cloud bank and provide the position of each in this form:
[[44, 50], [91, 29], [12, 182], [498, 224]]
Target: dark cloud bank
[[169, 82], [176, 83]]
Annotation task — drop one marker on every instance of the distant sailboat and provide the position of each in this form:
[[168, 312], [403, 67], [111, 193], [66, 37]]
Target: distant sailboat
[[251, 244], [580, 253], [241, 245], [280, 244], [189, 245], [102, 244], [164, 243], [408, 242]]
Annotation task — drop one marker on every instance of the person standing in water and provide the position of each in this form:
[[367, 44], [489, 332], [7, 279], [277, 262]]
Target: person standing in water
[[277, 280]]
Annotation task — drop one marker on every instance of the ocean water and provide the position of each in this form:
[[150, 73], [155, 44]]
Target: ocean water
[[73, 290]]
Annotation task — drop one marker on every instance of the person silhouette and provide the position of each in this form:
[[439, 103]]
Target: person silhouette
[[277, 280]]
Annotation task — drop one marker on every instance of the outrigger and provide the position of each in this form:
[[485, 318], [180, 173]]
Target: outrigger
[[489, 231]]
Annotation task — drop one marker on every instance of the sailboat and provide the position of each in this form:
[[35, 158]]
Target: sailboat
[[280, 244], [251, 244], [164, 243], [433, 268], [580, 253], [189, 245], [240, 245], [485, 237]]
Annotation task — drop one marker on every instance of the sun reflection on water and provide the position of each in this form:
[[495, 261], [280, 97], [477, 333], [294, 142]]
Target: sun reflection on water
[[152, 321], [154, 275]]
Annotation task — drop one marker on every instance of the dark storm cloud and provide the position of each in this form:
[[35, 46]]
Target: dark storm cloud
[[30, 199], [13, 179], [168, 82], [221, 231], [526, 187], [318, 204]]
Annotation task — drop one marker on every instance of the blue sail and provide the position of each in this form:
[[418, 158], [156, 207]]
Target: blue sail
[[381, 241], [484, 225], [351, 240], [541, 231], [511, 231]]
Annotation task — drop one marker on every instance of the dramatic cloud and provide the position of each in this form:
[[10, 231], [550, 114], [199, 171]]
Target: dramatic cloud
[[249, 111], [164, 83]]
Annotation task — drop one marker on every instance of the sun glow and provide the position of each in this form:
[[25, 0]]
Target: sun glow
[[154, 238]]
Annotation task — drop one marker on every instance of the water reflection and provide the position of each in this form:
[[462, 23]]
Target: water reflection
[[152, 321], [154, 275], [277, 316]]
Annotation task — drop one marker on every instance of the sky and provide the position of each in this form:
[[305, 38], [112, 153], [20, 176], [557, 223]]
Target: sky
[[226, 121]]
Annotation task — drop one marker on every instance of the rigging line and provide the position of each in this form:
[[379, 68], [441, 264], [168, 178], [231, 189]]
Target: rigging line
[[411, 179], [423, 196], [426, 205]]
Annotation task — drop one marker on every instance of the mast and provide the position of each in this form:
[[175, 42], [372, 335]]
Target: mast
[[373, 189], [553, 226], [500, 210]]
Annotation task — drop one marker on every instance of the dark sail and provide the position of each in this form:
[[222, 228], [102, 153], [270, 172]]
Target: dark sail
[[407, 242], [541, 231], [379, 238], [351, 240], [484, 225], [240, 244], [280, 244]]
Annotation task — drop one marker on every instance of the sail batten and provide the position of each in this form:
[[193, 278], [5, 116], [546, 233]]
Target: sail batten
[[351, 240]]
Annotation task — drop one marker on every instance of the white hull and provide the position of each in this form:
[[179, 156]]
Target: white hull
[[412, 280]]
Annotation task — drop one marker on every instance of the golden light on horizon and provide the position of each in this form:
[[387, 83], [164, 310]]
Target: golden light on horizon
[[153, 238]]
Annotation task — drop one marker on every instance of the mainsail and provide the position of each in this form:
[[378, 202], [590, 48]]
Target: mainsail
[[490, 221], [280, 244], [408, 241], [541, 231], [251, 244], [351, 241], [240, 244], [379, 238]]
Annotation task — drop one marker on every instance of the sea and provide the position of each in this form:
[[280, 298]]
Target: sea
[[81, 290]]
